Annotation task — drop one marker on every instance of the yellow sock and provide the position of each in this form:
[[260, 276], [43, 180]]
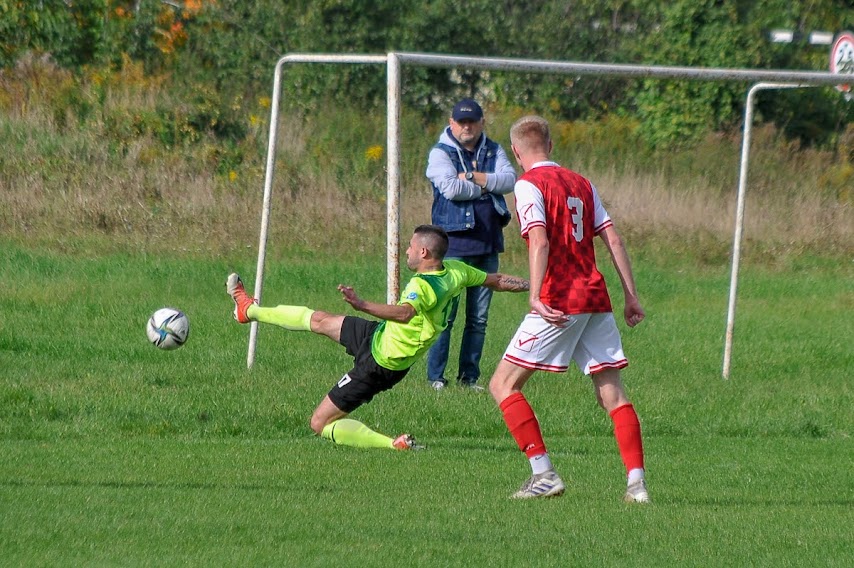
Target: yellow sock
[[295, 318], [349, 432]]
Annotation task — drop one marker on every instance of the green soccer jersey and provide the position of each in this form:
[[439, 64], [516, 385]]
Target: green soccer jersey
[[397, 346]]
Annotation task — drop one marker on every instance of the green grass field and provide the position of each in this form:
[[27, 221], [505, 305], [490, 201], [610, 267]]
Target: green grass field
[[116, 453]]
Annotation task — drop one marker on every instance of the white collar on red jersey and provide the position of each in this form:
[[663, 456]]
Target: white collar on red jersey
[[546, 163]]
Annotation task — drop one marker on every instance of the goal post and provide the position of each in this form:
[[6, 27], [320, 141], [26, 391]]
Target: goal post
[[394, 62], [271, 166], [739, 211], [841, 64]]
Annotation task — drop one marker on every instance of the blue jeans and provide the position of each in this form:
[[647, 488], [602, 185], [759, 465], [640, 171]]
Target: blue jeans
[[474, 333]]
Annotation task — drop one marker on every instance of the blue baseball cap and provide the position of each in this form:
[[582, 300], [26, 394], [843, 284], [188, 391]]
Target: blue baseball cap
[[467, 109]]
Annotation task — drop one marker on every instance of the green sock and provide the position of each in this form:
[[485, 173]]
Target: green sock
[[349, 432], [295, 318]]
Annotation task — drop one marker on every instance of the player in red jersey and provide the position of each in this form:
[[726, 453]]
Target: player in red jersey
[[571, 318]]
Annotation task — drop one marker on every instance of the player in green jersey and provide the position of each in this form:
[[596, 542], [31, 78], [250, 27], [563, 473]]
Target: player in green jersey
[[383, 351]]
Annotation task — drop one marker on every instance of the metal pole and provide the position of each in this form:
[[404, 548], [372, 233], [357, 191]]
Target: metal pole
[[739, 212], [620, 70], [265, 208], [393, 179]]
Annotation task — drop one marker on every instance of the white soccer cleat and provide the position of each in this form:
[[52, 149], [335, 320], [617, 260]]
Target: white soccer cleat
[[636, 492], [548, 484]]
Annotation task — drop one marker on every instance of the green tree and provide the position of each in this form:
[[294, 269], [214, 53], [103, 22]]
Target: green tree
[[815, 115], [231, 47], [703, 34]]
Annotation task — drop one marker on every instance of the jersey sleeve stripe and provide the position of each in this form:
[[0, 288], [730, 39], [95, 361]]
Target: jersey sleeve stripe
[[603, 226], [530, 226]]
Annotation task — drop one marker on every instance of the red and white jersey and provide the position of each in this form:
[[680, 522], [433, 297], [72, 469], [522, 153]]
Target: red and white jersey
[[568, 206]]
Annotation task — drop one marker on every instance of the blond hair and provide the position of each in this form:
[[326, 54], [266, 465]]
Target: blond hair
[[530, 134]]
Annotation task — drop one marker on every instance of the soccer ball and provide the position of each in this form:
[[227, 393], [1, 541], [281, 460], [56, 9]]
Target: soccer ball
[[168, 328]]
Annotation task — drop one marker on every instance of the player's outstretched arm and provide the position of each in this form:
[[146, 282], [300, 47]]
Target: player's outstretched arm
[[400, 313], [506, 283], [632, 311]]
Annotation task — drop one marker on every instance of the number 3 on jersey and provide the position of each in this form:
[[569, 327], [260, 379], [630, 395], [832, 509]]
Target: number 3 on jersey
[[576, 211]]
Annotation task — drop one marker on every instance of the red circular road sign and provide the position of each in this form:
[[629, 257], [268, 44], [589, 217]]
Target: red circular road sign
[[842, 57]]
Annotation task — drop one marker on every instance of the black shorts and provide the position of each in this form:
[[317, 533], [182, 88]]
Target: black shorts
[[367, 377]]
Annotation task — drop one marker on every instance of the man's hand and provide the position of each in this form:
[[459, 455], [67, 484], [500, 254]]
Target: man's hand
[[478, 178], [401, 313], [350, 297], [633, 312], [554, 317]]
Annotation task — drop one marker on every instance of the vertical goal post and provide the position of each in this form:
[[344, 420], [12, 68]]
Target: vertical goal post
[[394, 62], [841, 64], [739, 211], [271, 166]]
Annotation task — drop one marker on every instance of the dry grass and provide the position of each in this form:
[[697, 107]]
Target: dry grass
[[650, 201], [70, 188], [140, 206]]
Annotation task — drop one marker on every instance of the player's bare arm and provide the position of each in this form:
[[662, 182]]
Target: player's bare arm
[[401, 313], [633, 312], [538, 259], [506, 283]]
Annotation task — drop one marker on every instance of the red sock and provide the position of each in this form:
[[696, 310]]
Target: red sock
[[523, 425], [628, 433]]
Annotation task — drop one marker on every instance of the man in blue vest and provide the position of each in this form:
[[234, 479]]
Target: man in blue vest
[[470, 175]]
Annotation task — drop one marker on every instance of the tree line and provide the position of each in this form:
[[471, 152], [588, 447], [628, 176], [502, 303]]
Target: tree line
[[232, 46]]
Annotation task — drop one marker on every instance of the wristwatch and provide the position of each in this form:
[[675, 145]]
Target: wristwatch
[[470, 176]]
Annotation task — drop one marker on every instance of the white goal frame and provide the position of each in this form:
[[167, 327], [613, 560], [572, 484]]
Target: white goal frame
[[394, 62], [739, 212]]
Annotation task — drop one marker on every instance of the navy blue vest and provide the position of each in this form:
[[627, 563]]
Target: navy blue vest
[[478, 222]]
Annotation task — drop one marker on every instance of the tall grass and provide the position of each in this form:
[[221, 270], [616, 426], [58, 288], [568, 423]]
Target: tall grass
[[118, 162]]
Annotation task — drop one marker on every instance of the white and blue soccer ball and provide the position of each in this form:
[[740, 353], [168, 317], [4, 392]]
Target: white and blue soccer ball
[[168, 328]]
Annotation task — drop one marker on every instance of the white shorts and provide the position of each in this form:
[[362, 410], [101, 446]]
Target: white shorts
[[591, 340]]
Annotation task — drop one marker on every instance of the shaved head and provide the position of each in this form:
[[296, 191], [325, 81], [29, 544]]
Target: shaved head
[[433, 238]]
